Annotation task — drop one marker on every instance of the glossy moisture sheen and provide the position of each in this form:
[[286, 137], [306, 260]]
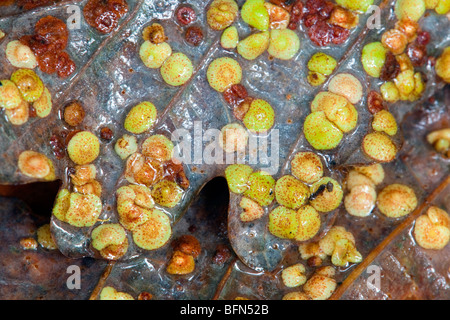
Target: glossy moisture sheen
[[141, 84]]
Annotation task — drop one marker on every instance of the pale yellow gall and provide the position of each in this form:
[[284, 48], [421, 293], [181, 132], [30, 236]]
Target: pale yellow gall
[[109, 293], [83, 148], [432, 230], [35, 165], [294, 275], [307, 167], [252, 210], [396, 200], [348, 86], [44, 237], [20, 55]]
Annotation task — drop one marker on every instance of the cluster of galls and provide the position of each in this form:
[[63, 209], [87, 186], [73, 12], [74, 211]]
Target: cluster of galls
[[24, 96], [156, 53], [301, 196], [154, 177], [224, 75], [402, 49]]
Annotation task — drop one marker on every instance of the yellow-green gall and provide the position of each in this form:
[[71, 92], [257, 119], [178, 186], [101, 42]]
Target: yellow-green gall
[[431, 4], [83, 148], [378, 146], [307, 167], [322, 63], [92, 187], [396, 200], [229, 38], [110, 240], [405, 82], [133, 204], [109, 293], [254, 45], [308, 223], [389, 92], [154, 55], [158, 147], [442, 66], [294, 276], [43, 105], [221, 14], [237, 176], [261, 188], [320, 132], [177, 69], [409, 9], [284, 44], [223, 72], [77, 209], [283, 222], [62, 203], [255, 14], [326, 194], [440, 140], [44, 237], [28, 83], [327, 100], [344, 253], [298, 225], [373, 58], [443, 7], [154, 233], [260, 117], [384, 121], [84, 210], [140, 118], [290, 192], [405, 62], [419, 87], [315, 78], [108, 234], [10, 97], [344, 115], [167, 193]]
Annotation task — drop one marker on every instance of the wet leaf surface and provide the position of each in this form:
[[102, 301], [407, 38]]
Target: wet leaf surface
[[110, 79]]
